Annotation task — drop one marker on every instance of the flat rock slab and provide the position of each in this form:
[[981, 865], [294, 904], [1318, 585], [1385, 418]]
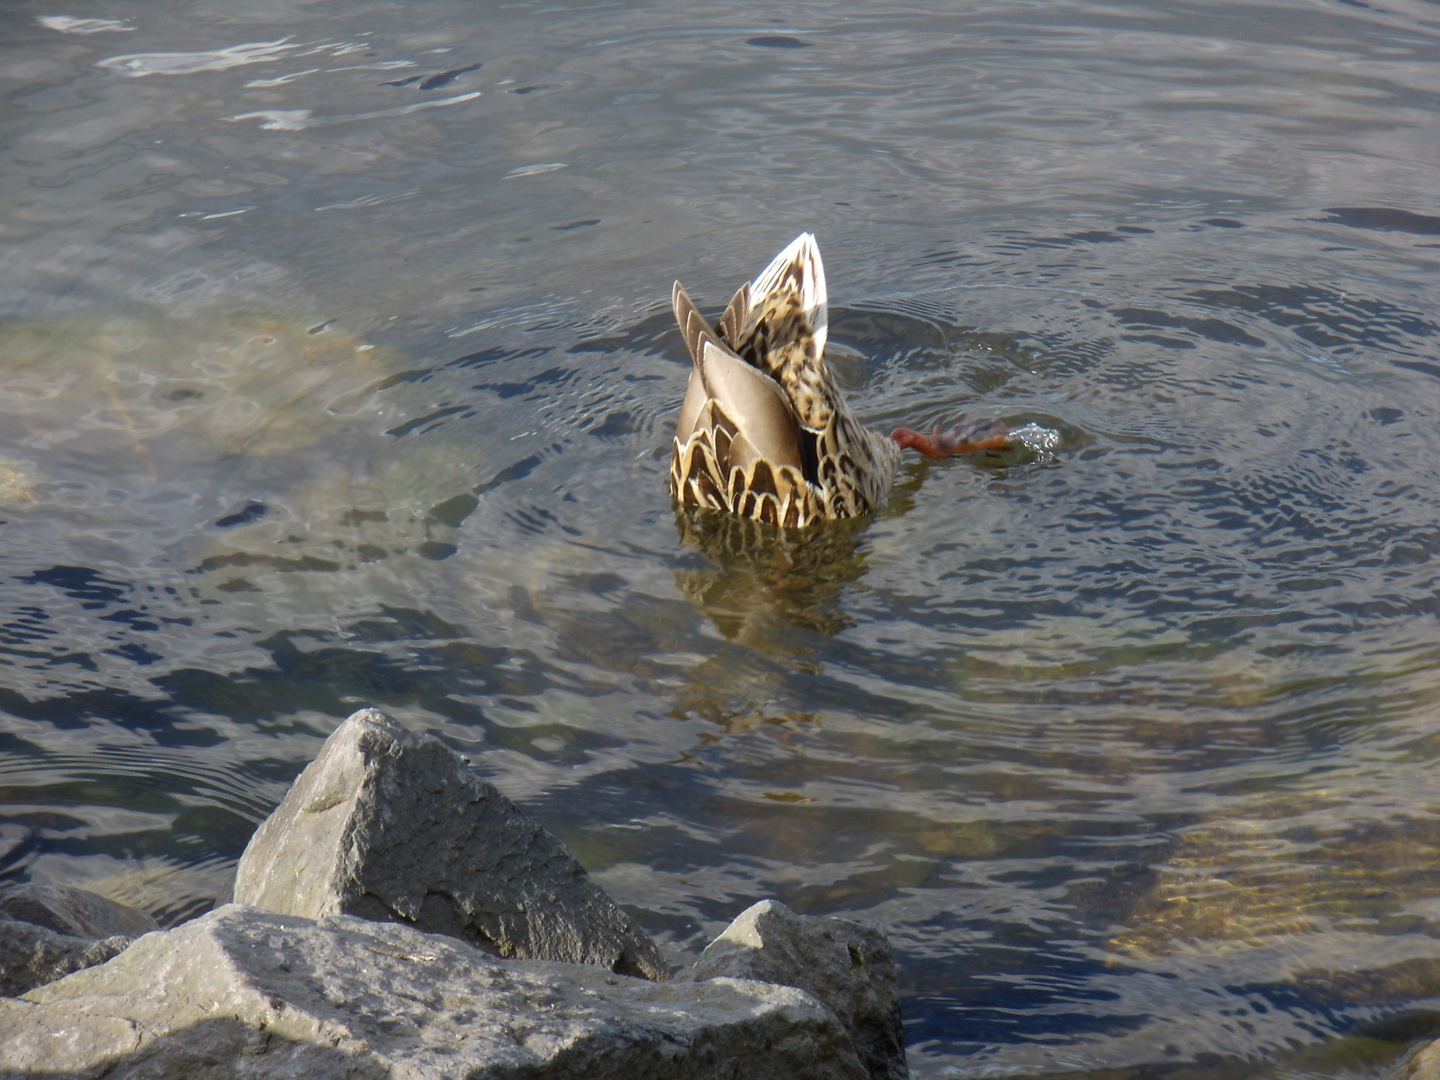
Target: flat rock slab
[[242, 992], [845, 965], [385, 824]]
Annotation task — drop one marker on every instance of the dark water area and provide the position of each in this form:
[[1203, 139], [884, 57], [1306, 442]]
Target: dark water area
[[336, 369]]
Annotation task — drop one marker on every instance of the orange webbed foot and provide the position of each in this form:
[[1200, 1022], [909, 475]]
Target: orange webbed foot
[[961, 439]]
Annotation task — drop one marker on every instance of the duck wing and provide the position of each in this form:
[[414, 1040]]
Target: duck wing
[[745, 400]]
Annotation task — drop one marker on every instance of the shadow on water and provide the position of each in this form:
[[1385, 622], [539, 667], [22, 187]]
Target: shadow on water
[[1385, 219]]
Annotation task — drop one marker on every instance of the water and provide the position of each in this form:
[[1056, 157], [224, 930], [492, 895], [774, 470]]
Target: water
[[336, 369]]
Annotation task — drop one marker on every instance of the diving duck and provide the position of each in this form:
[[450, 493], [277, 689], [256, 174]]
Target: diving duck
[[765, 432]]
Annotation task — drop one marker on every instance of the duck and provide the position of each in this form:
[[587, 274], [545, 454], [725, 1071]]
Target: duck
[[765, 432]]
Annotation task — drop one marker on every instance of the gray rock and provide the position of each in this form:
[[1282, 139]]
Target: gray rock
[[48, 931], [1420, 1062], [245, 993], [388, 825], [845, 965], [31, 955], [68, 910]]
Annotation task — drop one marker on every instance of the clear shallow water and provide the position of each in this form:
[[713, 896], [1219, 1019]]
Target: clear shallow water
[[336, 370]]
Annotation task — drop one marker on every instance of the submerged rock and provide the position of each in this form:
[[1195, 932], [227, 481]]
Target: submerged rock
[[845, 965], [245, 992], [388, 825], [68, 910], [49, 931], [19, 484]]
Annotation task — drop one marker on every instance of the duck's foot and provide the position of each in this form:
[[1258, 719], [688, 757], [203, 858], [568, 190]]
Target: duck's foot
[[961, 439]]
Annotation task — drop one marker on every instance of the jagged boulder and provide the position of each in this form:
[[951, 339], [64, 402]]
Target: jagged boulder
[[385, 824], [242, 992], [48, 931], [845, 965]]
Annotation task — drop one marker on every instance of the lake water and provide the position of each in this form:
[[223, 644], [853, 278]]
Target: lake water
[[336, 369]]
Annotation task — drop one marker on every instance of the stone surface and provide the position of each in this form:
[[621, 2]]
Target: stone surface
[[1421, 1062], [385, 824], [48, 931], [68, 910], [245, 993], [845, 965], [31, 955]]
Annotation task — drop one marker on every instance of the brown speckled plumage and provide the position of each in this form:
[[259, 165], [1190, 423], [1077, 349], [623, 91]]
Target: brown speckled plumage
[[765, 432]]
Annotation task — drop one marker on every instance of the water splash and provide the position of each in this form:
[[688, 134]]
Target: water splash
[[1041, 441]]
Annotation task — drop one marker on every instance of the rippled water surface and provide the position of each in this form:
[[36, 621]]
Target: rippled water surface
[[336, 368]]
